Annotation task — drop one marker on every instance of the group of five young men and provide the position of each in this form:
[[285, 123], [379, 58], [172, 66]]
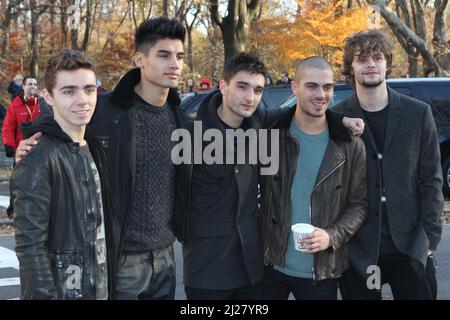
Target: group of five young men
[[99, 199]]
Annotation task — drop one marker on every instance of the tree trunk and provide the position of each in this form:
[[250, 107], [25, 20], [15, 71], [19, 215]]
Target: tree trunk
[[440, 43], [236, 24], [33, 65], [63, 21], [189, 27], [165, 8], [399, 27], [5, 27]]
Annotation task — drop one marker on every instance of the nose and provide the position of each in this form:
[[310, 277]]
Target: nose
[[250, 96], [82, 97], [370, 62], [175, 63], [320, 93]]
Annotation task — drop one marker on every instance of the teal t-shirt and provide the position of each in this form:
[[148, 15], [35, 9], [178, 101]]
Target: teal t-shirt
[[312, 150]]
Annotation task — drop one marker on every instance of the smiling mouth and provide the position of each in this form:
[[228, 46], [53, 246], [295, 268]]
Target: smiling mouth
[[172, 76]]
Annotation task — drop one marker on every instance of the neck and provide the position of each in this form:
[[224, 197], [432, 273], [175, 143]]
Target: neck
[[76, 133], [230, 118], [372, 99], [154, 95], [309, 124]]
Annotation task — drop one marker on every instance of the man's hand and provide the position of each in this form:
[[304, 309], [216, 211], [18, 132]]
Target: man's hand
[[317, 241], [355, 125], [26, 145]]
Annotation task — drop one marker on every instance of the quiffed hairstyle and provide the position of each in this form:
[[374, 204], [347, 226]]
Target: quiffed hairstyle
[[65, 60], [365, 44], [243, 62], [152, 30]]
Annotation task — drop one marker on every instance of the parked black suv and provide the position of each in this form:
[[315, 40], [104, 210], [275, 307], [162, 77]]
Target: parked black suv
[[434, 91]]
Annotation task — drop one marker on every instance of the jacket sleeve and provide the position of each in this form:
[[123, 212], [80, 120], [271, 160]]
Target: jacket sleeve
[[356, 208], [9, 128], [430, 181], [31, 188]]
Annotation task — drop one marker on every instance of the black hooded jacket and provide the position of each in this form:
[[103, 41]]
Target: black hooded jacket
[[55, 228]]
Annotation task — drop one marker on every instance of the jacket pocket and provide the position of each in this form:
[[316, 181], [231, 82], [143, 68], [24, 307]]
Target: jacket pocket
[[67, 272]]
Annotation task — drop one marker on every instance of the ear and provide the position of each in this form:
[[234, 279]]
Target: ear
[[48, 97], [139, 59], [223, 86], [294, 87]]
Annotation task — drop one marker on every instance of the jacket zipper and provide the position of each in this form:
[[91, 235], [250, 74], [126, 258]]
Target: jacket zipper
[[310, 207]]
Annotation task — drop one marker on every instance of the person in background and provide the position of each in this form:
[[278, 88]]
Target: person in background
[[15, 87], [205, 84]]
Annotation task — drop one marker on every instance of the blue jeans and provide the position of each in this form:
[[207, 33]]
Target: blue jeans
[[147, 276]]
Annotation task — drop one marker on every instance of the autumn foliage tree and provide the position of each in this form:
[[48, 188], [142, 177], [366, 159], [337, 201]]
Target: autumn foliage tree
[[315, 28]]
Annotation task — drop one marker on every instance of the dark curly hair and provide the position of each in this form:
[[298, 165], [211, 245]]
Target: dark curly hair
[[365, 44]]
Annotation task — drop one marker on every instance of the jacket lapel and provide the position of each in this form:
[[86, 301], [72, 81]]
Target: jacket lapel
[[355, 111], [393, 117], [124, 129], [332, 158]]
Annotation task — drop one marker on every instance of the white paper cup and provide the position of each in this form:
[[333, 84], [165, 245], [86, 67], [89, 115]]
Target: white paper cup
[[298, 231]]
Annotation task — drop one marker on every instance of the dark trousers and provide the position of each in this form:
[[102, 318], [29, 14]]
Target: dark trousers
[[147, 276], [278, 286], [406, 276], [242, 293]]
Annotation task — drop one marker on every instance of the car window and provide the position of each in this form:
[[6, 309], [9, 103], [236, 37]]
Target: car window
[[440, 97], [288, 102], [273, 97], [340, 95], [403, 90]]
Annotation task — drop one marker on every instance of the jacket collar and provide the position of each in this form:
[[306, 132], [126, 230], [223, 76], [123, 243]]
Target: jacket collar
[[123, 93], [47, 125], [393, 115], [335, 127]]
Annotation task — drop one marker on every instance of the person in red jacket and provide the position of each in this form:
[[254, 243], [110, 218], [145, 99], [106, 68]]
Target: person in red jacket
[[23, 109], [21, 112], [205, 84]]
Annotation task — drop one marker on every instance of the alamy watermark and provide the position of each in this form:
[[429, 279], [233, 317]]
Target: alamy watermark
[[252, 147], [374, 280]]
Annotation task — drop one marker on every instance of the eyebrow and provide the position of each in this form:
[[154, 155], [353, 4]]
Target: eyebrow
[[76, 87], [248, 84], [316, 84], [169, 52]]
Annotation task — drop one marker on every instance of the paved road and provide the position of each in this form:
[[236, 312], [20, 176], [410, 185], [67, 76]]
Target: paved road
[[10, 289]]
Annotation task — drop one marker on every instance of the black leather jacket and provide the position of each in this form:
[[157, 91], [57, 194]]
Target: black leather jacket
[[55, 231]]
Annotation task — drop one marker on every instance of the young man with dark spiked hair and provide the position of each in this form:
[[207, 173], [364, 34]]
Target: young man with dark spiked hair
[[60, 213], [395, 243]]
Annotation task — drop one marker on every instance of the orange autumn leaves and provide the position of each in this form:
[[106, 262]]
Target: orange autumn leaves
[[316, 29]]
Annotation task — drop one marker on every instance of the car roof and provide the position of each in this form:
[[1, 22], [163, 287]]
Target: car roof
[[406, 80]]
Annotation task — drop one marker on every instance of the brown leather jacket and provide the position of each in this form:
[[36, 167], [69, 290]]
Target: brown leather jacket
[[338, 200]]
